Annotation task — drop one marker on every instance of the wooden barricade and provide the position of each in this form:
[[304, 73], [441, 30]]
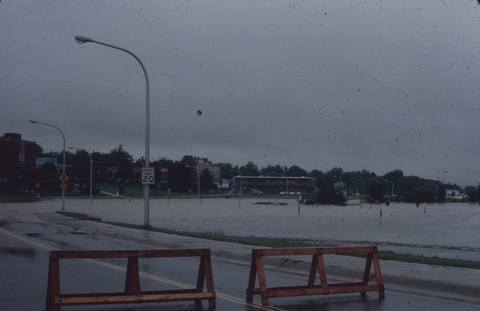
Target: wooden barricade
[[324, 288], [132, 292]]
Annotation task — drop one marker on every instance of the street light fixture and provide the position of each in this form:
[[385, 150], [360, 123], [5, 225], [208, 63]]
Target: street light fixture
[[146, 187], [371, 197], [91, 176], [356, 185], [241, 187], [368, 184], [341, 181], [389, 181], [443, 182], [63, 166], [365, 193], [198, 178], [286, 183], [139, 161], [241, 182]]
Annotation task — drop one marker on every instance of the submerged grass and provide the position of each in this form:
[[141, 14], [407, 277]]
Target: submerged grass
[[277, 242]]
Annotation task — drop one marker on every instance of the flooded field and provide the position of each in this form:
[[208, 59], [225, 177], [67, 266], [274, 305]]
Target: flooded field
[[451, 225]]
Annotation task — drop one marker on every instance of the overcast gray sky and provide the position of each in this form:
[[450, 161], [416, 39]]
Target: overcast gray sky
[[364, 84]]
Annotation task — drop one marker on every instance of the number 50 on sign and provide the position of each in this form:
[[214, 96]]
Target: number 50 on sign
[[148, 175]]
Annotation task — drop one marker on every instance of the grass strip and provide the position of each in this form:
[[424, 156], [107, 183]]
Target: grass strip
[[432, 261], [277, 242]]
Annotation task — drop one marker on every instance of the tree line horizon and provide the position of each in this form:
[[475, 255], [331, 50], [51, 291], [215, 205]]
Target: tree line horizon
[[392, 185]]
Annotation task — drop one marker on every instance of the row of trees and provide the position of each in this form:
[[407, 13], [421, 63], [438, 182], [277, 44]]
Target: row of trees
[[77, 159], [391, 186], [332, 185]]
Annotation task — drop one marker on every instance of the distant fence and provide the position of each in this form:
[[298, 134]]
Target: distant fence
[[324, 288], [132, 292]]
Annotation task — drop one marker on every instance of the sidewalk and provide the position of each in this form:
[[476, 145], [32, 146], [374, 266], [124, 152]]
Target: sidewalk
[[448, 282]]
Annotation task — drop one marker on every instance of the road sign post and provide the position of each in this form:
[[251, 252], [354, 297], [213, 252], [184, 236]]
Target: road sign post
[[63, 178], [148, 175]]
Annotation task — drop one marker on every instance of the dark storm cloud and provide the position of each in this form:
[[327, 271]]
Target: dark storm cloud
[[355, 84]]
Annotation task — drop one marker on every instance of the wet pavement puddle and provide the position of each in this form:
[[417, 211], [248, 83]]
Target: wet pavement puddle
[[18, 251]]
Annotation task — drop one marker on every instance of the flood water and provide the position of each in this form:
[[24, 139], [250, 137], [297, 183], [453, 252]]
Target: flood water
[[449, 225]]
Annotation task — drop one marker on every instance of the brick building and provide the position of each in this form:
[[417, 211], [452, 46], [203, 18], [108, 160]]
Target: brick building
[[107, 172], [201, 164], [17, 163], [276, 185]]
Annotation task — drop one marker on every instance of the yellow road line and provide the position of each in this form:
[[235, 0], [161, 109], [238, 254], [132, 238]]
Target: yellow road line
[[15, 236], [145, 275]]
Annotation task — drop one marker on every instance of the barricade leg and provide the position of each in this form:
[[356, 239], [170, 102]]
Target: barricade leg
[[366, 272], [205, 275], [378, 275], [132, 280], [372, 258], [200, 280], [53, 284], [313, 271], [257, 269], [251, 280], [208, 276], [318, 264]]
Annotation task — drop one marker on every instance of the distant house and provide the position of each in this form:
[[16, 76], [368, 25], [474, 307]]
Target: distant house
[[17, 163], [455, 195], [101, 171], [225, 184], [275, 185]]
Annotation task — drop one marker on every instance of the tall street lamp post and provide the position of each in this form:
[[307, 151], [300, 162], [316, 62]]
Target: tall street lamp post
[[286, 183], [91, 170], [146, 187], [241, 182], [341, 181], [241, 187], [365, 192], [371, 198], [389, 181], [63, 166], [443, 183], [198, 179], [443, 180], [356, 185]]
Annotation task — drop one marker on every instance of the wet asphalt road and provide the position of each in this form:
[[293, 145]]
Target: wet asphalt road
[[25, 245], [25, 242]]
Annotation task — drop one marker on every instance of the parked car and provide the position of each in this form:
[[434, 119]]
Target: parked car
[[255, 191]]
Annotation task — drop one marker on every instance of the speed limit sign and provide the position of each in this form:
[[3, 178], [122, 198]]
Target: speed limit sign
[[148, 175]]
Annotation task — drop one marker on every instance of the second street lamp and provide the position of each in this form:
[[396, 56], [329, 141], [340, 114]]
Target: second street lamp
[[198, 179], [63, 166], [443, 180], [146, 187], [286, 183], [91, 170], [240, 189], [341, 183], [241, 183]]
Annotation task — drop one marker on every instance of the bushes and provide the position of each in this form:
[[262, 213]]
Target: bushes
[[326, 195]]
